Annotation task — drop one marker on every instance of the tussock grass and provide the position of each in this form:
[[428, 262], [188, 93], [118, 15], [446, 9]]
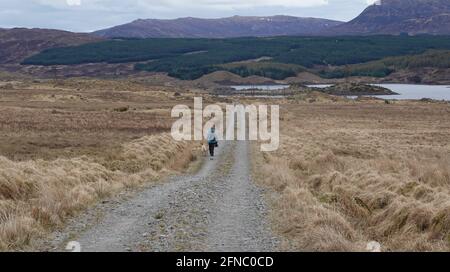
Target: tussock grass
[[39, 195], [353, 173], [64, 147]]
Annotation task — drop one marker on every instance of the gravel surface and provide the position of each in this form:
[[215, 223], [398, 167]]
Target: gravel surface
[[218, 209]]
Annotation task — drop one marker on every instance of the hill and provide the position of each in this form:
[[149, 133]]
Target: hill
[[236, 26], [192, 58], [439, 59], [19, 43], [227, 78], [400, 16]]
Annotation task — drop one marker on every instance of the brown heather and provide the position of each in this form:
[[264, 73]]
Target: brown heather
[[349, 173], [64, 147]]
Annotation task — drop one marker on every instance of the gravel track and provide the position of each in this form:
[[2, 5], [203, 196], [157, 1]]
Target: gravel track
[[218, 209]]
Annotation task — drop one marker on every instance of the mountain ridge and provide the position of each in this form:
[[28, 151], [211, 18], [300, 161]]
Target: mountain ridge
[[16, 44], [394, 17], [229, 27]]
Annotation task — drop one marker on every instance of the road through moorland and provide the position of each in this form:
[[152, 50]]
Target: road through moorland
[[218, 209]]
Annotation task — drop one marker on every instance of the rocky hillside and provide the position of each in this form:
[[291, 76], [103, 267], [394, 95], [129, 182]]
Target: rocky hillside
[[400, 16], [236, 26], [19, 43]]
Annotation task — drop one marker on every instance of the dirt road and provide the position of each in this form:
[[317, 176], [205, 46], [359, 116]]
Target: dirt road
[[218, 209]]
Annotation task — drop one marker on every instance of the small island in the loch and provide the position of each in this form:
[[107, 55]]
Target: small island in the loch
[[338, 89], [355, 89]]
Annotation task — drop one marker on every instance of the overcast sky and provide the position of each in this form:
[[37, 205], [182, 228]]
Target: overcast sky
[[89, 15]]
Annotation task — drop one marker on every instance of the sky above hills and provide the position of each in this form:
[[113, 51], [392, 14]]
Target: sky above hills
[[90, 15]]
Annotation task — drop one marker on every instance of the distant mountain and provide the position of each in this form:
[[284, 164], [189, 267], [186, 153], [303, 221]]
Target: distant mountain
[[400, 16], [19, 43], [236, 26]]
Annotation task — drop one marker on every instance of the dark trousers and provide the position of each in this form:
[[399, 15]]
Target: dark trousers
[[211, 149]]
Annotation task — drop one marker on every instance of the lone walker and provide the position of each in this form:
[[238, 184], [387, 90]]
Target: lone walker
[[212, 141]]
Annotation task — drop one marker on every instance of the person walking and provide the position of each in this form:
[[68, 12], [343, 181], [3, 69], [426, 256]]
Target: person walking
[[212, 141]]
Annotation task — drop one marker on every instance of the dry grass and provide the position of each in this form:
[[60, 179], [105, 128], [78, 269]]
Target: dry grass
[[351, 172], [77, 118], [64, 147], [38, 195]]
